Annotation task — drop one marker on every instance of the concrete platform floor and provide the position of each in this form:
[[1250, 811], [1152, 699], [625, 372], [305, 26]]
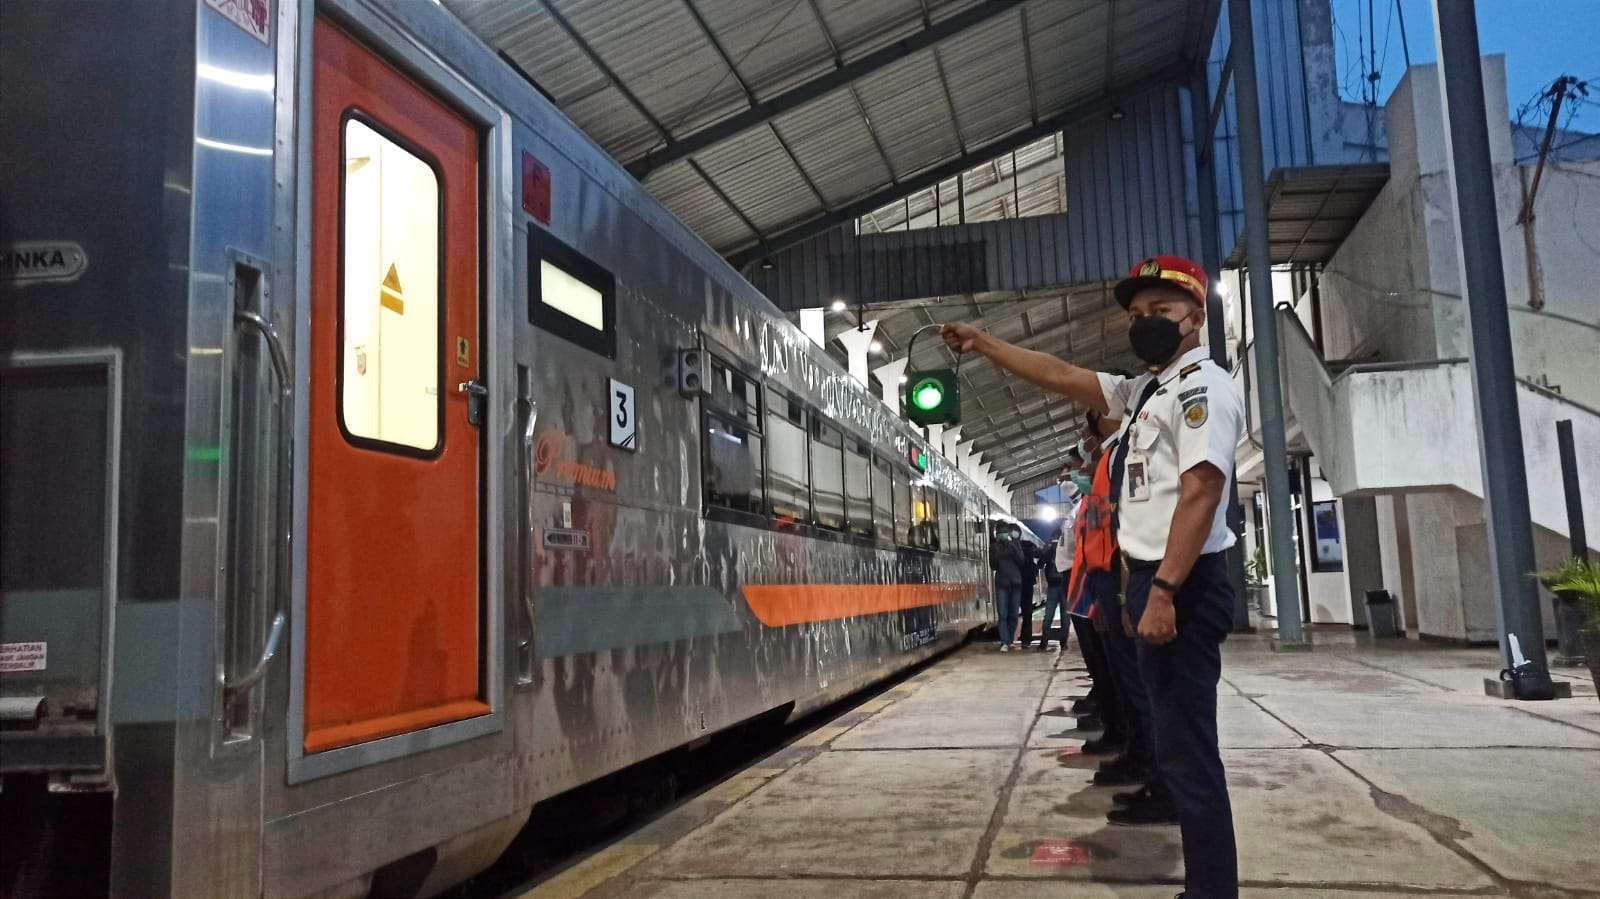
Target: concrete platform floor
[[1356, 771]]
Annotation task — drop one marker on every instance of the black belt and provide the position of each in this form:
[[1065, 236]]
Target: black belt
[[1141, 565]]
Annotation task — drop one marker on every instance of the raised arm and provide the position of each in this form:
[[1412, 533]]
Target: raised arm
[[1053, 374]]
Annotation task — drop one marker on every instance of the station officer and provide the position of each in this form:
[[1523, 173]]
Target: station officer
[[1181, 423]]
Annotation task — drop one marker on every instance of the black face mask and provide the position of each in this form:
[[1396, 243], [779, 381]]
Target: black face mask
[[1154, 338]]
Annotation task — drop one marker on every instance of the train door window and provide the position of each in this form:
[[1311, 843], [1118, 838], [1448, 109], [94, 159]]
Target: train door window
[[948, 541], [788, 492], [858, 488], [902, 505], [571, 295], [882, 501], [389, 309], [827, 475]]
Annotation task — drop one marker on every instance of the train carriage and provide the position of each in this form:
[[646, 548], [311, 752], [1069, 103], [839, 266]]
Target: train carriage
[[380, 459]]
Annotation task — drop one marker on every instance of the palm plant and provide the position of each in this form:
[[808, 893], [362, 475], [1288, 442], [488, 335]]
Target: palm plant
[[1580, 578]]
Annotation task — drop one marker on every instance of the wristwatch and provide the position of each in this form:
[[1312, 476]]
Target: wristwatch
[[1158, 582]]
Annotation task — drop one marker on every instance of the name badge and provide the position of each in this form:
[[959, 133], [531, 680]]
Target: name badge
[[1136, 483]]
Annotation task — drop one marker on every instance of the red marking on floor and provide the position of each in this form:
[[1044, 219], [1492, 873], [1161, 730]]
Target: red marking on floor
[[1061, 853], [1070, 752]]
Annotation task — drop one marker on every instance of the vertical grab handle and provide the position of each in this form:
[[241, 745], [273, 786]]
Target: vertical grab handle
[[249, 319], [530, 411]]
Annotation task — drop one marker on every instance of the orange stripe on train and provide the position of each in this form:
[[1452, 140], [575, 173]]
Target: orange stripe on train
[[780, 604]]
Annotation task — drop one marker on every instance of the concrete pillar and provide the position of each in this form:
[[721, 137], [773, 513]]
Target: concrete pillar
[[813, 322], [857, 346], [1363, 553], [889, 380]]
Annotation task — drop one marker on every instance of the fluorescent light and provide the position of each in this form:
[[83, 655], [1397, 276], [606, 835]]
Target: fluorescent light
[[876, 346], [233, 148], [242, 80], [1047, 513]]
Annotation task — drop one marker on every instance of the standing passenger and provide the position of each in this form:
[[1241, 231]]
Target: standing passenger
[[1005, 557], [1183, 422], [1058, 569]]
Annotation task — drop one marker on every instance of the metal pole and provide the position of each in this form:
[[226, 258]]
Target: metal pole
[[1569, 612], [1258, 256], [1494, 381], [1216, 323]]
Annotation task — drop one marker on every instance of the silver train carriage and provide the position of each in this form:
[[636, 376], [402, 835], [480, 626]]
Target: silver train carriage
[[380, 459]]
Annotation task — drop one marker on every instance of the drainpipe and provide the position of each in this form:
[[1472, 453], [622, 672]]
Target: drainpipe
[[1247, 105]]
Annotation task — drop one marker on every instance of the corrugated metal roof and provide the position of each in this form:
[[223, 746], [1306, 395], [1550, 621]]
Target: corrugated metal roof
[[687, 77]]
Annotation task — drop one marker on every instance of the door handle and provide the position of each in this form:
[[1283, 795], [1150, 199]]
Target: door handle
[[269, 334], [268, 653], [477, 398]]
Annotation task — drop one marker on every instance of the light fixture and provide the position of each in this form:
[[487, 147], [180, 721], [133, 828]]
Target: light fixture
[[1047, 513], [838, 306], [904, 379], [1117, 114], [876, 346], [1223, 290], [766, 263], [928, 394]]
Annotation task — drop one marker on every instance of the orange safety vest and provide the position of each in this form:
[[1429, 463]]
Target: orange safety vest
[[1096, 543]]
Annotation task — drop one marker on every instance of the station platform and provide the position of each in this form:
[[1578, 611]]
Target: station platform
[[1356, 771]]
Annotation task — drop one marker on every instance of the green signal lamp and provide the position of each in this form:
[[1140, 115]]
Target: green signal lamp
[[930, 396]]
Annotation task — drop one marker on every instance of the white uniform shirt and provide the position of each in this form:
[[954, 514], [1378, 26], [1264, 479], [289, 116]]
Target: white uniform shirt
[[1196, 415], [1065, 548]]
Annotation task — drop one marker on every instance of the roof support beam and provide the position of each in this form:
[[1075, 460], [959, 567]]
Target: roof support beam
[[932, 176], [796, 97], [750, 97], [594, 59]]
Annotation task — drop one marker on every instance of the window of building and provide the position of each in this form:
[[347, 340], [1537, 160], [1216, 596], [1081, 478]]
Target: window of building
[[858, 488], [827, 475], [570, 295], [389, 311], [788, 494]]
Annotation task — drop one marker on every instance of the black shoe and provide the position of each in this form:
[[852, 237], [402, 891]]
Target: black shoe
[[1090, 722], [1150, 811], [1085, 706], [1105, 743], [1146, 793], [1120, 772]]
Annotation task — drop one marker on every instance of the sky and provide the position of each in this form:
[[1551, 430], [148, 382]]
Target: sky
[[1541, 40]]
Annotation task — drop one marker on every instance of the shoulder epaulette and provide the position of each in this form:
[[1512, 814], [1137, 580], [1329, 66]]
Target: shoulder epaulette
[[1188, 370]]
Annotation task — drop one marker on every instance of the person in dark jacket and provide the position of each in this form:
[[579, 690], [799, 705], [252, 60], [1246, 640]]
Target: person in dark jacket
[[1032, 558], [1007, 558]]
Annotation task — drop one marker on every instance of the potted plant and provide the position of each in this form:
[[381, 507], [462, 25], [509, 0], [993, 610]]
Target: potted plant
[[1580, 579], [1255, 579]]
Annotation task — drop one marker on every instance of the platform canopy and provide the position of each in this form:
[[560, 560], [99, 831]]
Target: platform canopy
[[763, 122]]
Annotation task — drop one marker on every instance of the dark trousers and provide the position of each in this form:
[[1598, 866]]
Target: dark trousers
[[1028, 609], [1181, 680], [1122, 658], [1105, 691]]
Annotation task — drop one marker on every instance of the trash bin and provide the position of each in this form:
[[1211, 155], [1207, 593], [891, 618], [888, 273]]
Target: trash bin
[[1381, 615]]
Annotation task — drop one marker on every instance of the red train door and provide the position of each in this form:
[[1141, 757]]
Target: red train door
[[393, 607]]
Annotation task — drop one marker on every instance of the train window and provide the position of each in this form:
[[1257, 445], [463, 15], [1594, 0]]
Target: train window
[[948, 541], [733, 465], [827, 475], [858, 488], [924, 516], [734, 393], [787, 479], [389, 308], [570, 295], [882, 501], [902, 505]]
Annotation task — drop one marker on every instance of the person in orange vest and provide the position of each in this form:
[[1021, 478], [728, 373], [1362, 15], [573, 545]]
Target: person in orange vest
[[1099, 589]]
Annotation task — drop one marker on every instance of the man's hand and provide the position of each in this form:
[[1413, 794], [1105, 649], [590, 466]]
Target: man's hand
[[960, 338], [1047, 371], [1159, 623]]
